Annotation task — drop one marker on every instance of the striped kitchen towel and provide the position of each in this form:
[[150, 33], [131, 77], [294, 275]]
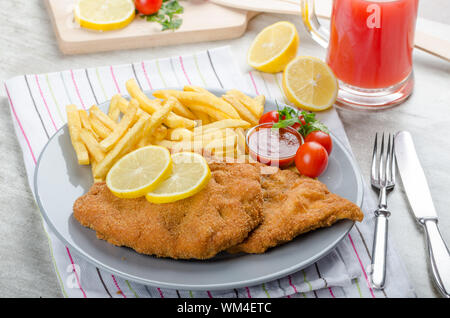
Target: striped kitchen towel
[[38, 109]]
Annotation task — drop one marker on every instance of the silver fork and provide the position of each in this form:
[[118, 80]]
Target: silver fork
[[383, 179]]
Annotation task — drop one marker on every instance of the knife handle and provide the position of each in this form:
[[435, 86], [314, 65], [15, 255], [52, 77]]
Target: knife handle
[[379, 249], [439, 257]]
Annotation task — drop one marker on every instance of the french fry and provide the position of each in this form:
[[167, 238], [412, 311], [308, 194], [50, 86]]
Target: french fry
[[178, 134], [126, 122], [261, 100], [240, 108], [175, 121], [180, 109], [213, 113], [152, 105], [123, 104], [204, 99], [198, 89], [228, 142], [102, 117], [92, 145], [225, 156], [93, 166], [218, 133], [202, 116], [74, 125], [125, 144], [159, 134], [178, 146], [249, 102], [86, 123], [162, 130], [159, 116], [114, 110], [143, 141], [227, 123], [241, 143], [133, 89], [101, 130]]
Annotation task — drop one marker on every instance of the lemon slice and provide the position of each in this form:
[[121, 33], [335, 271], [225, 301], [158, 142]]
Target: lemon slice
[[104, 15], [309, 83], [274, 47], [139, 172], [190, 174]]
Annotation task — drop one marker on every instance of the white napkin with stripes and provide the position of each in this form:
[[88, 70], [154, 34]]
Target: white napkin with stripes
[[38, 109]]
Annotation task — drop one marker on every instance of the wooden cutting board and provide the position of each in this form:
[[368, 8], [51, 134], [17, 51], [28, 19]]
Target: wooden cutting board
[[202, 21]]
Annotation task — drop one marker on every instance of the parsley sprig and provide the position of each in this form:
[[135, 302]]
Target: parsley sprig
[[290, 116], [167, 15]]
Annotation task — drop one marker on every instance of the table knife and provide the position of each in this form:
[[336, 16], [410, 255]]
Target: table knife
[[419, 197]]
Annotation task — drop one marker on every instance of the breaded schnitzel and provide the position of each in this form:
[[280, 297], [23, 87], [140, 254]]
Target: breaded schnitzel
[[218, 217], [294, 205], [240, 210]]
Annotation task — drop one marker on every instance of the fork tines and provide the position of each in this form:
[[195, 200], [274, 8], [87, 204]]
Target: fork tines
[[383, 163]]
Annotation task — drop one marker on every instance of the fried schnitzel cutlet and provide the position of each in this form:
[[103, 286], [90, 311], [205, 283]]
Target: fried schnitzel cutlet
[[218, 217], [242, 209], [294, 205]]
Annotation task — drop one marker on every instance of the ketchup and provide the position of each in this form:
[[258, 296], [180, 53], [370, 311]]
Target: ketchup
[[273, 146]]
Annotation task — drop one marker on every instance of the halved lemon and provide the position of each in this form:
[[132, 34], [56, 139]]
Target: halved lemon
[[104, 15], [190, 174], [274, 47], [139, 172], [310, 84]]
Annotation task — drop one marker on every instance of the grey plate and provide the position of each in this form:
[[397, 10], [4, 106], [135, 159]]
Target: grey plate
[[59, 181]]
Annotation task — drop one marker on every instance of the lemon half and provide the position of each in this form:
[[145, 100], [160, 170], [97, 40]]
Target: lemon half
[[139, 172], [190, 174], [104, 15], [274, 47], [310, 84]]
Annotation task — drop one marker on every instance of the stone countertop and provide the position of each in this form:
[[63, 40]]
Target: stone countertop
[[29, 46]]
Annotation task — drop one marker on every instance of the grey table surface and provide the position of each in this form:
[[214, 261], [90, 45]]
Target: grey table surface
[[29, 46]]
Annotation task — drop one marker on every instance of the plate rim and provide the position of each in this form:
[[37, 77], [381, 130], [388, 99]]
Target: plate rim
[[214, 286]]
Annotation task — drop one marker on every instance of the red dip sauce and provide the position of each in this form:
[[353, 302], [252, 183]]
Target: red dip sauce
[[273, 146]]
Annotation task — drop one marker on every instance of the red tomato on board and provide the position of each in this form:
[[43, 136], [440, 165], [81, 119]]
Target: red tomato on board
[[148, 6], [270, 117], [311, 159], [322, 138]]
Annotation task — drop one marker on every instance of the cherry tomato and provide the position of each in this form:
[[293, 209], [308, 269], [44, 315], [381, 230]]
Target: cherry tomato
[[311, 159], [298, 125], [148, 6], [270, 117], [322, 138]]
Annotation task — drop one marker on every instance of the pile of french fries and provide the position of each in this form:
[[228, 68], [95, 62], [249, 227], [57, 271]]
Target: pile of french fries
[[190, 120]]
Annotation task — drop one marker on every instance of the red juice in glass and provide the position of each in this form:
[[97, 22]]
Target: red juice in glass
[[367, 53], [369, 48]]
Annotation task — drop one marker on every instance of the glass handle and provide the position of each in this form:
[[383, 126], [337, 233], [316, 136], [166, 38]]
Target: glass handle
[[312, 24]]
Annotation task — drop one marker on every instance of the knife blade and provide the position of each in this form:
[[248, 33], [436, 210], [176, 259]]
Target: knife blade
[[419, 197], [413, 177]]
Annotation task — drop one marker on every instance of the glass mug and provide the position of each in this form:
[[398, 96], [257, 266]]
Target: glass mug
[[370, 46]]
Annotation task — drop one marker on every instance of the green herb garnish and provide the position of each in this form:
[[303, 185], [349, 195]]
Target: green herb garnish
[[290, 116], [167, 15]]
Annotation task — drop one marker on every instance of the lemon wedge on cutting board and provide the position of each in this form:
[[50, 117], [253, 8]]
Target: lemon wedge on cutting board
[[190, 174], [274, 47], [104, 15], [139, 172], [310, 84]]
